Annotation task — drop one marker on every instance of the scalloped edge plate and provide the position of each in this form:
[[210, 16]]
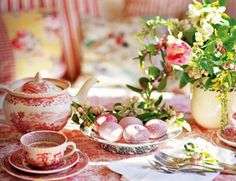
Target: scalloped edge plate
[[126, 148]]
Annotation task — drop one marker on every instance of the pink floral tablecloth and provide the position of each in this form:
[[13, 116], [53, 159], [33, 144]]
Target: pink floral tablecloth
[[9, 142]]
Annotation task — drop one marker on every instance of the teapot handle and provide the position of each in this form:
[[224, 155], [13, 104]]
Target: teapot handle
[[5, 88]]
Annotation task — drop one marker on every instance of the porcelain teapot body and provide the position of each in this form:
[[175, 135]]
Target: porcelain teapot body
[[40, 107]]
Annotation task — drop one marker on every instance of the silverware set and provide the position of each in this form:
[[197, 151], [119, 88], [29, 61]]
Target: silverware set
[[170, 164]]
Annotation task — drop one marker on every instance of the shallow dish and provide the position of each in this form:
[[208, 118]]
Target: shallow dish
[[218, 142], [231, 143], [83, 162], [17, 160], [122, 147]]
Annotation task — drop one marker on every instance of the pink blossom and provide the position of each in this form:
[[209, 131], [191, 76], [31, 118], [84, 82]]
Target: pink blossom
[[178, 53]]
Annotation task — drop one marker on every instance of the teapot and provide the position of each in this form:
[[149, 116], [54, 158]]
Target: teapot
[[41, 103]]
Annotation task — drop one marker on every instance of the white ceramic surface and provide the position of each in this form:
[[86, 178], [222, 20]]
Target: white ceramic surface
[[121, 147], [18, 161], [40, 110], [206, 108], [44, 156], [81, 165], [228, 142]]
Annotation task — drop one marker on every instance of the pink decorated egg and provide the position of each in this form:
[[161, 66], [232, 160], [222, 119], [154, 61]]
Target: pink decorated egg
[[157, 128], [110, 131], [104, 118], [126, 121], [136, 133]]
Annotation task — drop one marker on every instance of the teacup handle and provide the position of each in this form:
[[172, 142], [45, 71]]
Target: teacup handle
[[70, 143]]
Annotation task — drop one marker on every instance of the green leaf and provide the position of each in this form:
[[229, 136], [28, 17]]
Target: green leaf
[[143, 81], [210, 47], [207, 67], [222, 2], [162, 83], [147, 116], [143, 105], [75, 118], [75, 104], [149, 90], [222, 31], [208, 84], [207, 1], [233, 33], [189, 36], [185, 79], [153, 72], [229, 79], [159, 100], [117, 106], [151, 48], [135, 89]]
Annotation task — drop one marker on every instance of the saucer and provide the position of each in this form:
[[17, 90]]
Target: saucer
[[78, 167], [17, 160], [218, 142], [228, 142]]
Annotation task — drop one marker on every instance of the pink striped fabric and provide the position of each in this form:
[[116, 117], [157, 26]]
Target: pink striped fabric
[[70, 12], [7, 62], [168, 8]]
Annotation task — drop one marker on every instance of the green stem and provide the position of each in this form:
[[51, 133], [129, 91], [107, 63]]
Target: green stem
[[223, 97]]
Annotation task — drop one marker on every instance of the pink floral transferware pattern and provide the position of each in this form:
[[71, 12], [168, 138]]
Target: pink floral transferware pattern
[[96, 169], [18, 161]]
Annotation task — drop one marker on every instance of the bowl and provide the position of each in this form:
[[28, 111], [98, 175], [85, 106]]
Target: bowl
[[124, 148]]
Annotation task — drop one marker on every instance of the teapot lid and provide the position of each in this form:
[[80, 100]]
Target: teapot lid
[[39, 85]]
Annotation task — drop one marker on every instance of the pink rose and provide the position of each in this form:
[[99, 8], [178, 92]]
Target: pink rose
[[178, 53]]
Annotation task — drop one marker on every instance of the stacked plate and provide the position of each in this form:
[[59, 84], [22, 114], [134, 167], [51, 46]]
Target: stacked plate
[[16, 166]]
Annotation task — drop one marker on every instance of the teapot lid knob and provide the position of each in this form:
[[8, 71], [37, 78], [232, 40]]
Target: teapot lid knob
[[38, 77]]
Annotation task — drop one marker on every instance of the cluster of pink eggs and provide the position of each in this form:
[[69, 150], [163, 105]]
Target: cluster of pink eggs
[[130, 129]]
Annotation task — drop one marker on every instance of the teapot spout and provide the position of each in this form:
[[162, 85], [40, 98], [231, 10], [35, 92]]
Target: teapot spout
[[81, 96]]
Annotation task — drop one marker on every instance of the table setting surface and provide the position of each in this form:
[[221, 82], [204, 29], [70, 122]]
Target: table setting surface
[[100, 160]]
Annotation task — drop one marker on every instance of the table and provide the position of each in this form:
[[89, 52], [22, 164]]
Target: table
[[96, 171]]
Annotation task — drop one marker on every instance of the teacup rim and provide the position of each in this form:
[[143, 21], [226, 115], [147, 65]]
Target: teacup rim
[[43, 131]]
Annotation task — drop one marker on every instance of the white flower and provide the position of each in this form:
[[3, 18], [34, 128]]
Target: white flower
[[193, 11], [180, 35], [185, 24], [171, 39], [207, 28], [216, 19], [221, 9], [199, 38]]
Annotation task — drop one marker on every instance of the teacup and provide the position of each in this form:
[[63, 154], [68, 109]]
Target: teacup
[[45, 148]]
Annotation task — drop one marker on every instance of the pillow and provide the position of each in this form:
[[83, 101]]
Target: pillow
[[35, 40], [108, 50]]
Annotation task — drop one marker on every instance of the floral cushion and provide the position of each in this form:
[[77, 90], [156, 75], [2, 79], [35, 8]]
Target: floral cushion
[[108, 51], [35, 39]]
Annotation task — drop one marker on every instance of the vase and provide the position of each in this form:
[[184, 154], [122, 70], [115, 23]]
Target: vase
[[206, 108]]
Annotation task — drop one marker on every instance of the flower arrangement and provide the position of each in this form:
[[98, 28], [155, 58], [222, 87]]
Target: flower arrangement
[[200, 50], [85, 115]]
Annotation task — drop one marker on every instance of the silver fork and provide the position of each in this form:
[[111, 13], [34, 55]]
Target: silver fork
[[184, 168], [176, 160]]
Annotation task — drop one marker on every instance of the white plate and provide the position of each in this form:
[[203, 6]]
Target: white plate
[[128, 148], [231, 143], [17, 160], [72, 171]]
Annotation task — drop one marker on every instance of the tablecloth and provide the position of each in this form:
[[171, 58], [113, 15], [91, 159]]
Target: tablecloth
[[96, 171]]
